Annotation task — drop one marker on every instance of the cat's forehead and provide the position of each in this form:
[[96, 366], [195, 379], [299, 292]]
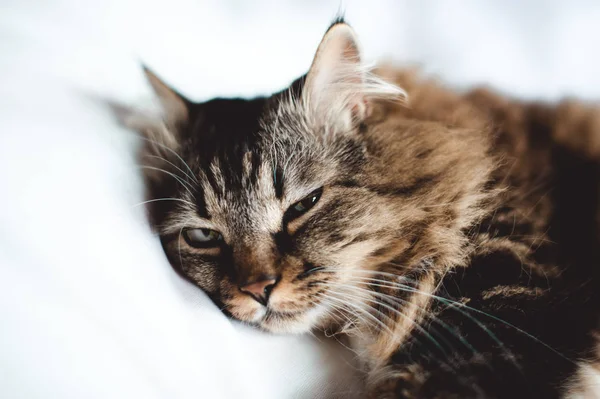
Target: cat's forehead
[[231, 141], [238, 165], [240, 200], [256, 177], [228, 130], [224, 127]]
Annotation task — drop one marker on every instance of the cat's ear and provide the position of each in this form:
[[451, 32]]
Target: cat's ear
[[338, 86], [335, 73], [162, 130], [175, 107]]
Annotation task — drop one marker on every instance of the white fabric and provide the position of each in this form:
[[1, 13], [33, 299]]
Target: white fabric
[[89, 306]]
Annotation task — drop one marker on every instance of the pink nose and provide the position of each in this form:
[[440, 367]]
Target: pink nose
[[260, 290]]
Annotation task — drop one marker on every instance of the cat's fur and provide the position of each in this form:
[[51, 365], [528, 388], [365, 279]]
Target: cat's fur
[[455, 243]]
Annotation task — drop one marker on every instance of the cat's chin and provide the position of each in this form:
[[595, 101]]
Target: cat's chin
[[290, 323]]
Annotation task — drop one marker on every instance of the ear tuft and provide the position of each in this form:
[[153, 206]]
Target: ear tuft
[[339, 19]]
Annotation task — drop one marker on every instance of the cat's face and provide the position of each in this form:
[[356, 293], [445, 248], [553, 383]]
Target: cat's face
[[269, 215], [259, 202], [276, 207]]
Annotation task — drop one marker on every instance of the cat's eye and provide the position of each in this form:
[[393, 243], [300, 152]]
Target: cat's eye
[[202, 238], [304, 205]]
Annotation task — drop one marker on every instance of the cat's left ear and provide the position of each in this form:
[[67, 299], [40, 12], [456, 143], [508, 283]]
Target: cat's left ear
[[339, 86], [336, 77]]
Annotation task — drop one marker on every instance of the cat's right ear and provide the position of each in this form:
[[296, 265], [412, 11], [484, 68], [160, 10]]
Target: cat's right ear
[[161, 130], [174, 106]]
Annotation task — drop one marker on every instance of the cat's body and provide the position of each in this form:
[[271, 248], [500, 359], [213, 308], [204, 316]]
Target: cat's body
[[453, 239], [532, 268]]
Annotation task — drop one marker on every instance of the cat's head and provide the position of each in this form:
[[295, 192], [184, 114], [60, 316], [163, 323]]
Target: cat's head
[[270, 204]]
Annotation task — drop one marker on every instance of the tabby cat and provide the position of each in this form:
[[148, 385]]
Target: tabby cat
[[451, 238]]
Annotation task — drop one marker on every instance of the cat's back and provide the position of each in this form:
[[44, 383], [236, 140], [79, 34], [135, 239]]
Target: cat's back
[[520, 127], [547, 158], [548, 154], [537, 250]]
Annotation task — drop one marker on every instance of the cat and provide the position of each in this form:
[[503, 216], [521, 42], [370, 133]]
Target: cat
[[451, 238]]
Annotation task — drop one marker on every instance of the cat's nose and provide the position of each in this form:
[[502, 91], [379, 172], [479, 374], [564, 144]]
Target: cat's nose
[[260, 290]]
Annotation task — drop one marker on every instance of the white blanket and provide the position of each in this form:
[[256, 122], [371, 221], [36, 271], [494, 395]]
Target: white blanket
[[89, 306]]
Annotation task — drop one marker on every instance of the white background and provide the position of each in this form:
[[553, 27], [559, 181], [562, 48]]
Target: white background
[[88, 305]]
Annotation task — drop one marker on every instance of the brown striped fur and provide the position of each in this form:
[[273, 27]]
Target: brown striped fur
[[455, 240]]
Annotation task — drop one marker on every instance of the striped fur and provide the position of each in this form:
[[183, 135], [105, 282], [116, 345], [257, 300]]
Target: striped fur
[[455, 242]]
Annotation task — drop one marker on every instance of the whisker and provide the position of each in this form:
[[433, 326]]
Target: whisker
[[164, 199], [406, 288], [175, 166], [344, 321], [179, 179], [348, 326], [390, 319], [340, 311], [416, 325], [461, 307], [458, 306], [179, 246], [168, 149], [395, 311], [358, 308], [392, 275], [429, 315]]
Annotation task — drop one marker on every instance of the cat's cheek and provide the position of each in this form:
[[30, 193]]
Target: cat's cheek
[[355, 257]]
